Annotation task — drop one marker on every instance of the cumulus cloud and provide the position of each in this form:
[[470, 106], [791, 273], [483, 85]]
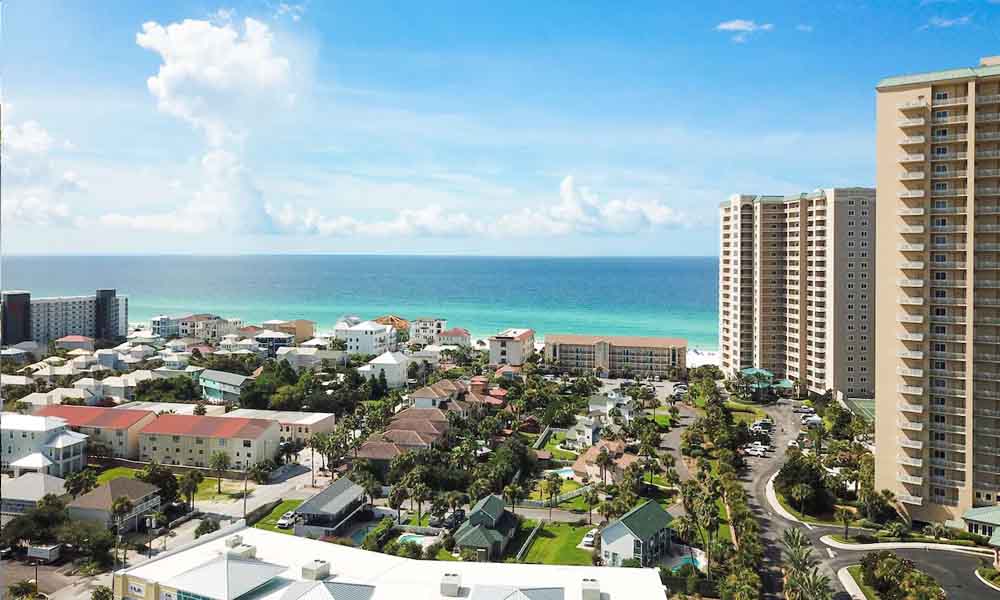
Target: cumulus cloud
[[216, 77], [35, 190], [578, 211], [946, 23], [291, 11], [743, 28]]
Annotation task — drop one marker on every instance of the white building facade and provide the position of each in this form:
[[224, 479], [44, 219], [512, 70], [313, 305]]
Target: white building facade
[[40, 444], [512, 346], [367, 337], [424, 330], [103, 314]]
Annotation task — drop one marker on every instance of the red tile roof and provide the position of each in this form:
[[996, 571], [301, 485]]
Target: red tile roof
[[95, 416], [75, 338], [454, 332], [375, 450], [205, 426]]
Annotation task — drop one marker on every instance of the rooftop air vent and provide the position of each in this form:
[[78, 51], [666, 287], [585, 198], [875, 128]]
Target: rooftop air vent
[[316, 570], [591, 589], [451, 584]]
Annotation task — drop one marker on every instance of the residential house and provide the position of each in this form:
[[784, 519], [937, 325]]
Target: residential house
[[411, 429], [272, 340], [117, 429], [330, 508], [300, 329], [642, 534], [488, 529], [437, 394], [97, 504], [607, 403], [424, 330], [512, 346], [584, 433], [192, 440], [42, 444], [294, 425], [14, 355], [393, 364], [366, 337], [208, 327], [399, 323], [166, 326], [221, 387], [456, 336], [586, 465], [23, 493]]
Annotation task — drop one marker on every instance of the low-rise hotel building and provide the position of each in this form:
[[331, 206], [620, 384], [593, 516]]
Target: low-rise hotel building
[[616, 356], [512, 346], [242, 562], [192, 440], [294, 426], [797, 288], [115, 428]]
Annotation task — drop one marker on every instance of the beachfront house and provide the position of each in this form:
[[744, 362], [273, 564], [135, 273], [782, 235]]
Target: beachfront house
[[512, 346]]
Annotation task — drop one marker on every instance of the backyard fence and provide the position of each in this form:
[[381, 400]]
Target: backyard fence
[[527, 543], [261, 511], [558, 499]]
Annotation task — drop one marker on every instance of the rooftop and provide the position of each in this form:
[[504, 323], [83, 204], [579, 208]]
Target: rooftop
[[19, 422], [282, 416], [983, 70], [32, 486], [514, 333], [75, 338], [333, 499], [393, 577], [615, 340], [224, 377], [94, 416], [205, 426], [103, 496]]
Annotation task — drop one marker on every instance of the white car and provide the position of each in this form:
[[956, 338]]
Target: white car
[[588, 539], [286, 520], [793, 443], [753, 451]]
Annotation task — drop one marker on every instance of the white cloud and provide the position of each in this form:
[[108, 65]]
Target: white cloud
[[578, 211], [292, 11], [35, 189], [803, 27], [743, 28], [945, 23], [216, 77]]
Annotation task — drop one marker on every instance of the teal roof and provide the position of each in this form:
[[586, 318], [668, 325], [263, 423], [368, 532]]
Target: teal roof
[[492, 505], [963, 73], [753, 371], [646, 520], [984, 514], [995, 540], [785, 384]]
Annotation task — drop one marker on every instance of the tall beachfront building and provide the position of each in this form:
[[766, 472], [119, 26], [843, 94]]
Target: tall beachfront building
[[103, 315], [938, 394], [796, 288]]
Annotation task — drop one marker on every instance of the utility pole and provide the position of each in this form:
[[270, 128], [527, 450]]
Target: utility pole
[[245, 493]]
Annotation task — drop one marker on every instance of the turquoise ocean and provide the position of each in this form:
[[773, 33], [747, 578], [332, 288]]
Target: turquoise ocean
[[662, 296]]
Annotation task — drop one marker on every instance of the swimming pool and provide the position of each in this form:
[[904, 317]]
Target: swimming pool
[[684, 560], [565, 472], [423, 540], [359, 536]]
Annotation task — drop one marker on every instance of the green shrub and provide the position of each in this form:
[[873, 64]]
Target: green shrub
[[206, 526]]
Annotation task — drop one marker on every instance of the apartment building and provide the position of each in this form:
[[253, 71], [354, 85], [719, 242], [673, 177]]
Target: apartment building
[[512, 346], [117, 429], [294, 425], [103, 315], [424, 330], [301, 329], [208, 327], [938, 337], [616, 355], [167, 326], [797, 288], [191, 440]]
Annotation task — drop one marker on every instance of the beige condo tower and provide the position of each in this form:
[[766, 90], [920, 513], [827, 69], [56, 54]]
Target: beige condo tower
[[938, 312], [796, 288]]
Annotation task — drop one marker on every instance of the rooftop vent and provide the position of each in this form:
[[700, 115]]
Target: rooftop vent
[[451, 584], [316, 570], [591, 589], [234, 541]]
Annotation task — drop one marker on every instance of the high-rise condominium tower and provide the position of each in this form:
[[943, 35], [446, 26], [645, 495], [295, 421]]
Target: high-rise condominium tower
[[938, 358], [796, 288]]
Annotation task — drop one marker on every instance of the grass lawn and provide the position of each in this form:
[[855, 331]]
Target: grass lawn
[[523, 530], [914, 538], [424, 519], [568, 485], [725, 533], [232, 489], [745, 413], [551, 445], [555, 544], [115, 473], [869, 593], [663, 420], [445, 555], [270, 522]]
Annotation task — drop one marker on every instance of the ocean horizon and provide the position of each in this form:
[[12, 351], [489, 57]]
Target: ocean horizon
[[650, 296]]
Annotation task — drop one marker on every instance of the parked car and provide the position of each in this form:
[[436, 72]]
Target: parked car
[[754, 451], [804, 409], [588, 539], [793, 443], [286, 520]]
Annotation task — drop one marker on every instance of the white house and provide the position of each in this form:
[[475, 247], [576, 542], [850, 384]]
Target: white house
[[512, 346], [424, 330], [42, 444], [642, 533], [367, 337], [393, 364]]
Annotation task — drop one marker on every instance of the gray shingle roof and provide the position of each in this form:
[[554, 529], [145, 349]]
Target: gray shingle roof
[[333, 499], [224, 377], [32, 486], [328, 590]]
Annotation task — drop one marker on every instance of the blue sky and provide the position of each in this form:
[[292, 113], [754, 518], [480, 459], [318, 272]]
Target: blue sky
[[554, 128]]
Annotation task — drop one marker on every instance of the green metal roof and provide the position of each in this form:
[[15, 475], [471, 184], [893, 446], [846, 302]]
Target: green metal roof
[[963, 73], [984, 514], [785, 384], [646, 519], [752, 371], [492, 505]]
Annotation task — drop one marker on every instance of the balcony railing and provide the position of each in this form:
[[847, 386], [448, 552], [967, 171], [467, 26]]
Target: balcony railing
[[905, 318], [986, 154], [946, 337], [987, 172], [912, 139], [911, 175], [909, 461], [908, 158], [950, 119], [910, 337], [911, 194], [947, 410], [988, 117], [907, 247], [940, 139], [987, 136], [950, 101], [910, 479], [910, 282], [907, 229], [910, 301], [910, 212], [948, 428], [947, 210], [907, 372], [949, 174], [948, 319], [952, 193], [914, 122], [949, 264], [985, 99], [912, 444], [911, 354], [911, 390], [948, 228], [909, 499], [910, 425], [987, 191], [909, 407]]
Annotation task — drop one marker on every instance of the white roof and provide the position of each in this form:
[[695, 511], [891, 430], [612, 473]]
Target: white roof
[[364, 325], [389, 358], [439, 347], [283, 416], [393, 577], [13, 352], [225, 577], [18, 422], [35, 460], [267, 333], [316, 341], [15, 380], [38, 399], [66, 438], [79, 352]]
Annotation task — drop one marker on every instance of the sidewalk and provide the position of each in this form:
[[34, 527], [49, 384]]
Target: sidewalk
[[829, 541], [772, 500], [850, 585]]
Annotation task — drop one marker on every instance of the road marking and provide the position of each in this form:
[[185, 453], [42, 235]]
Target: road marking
[[831, 553]]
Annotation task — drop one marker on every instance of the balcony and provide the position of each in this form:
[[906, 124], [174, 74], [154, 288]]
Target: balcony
[[951, 193], [988, 136], [950, 101], [913, 104], [949, 174], [947, 446], [957, 319], [911, 283], [911, 500], [905, 318], [911, 175], [907, 229], [911, 390], [912, 140], [907, 372], [909, 407], [948, 464], [911, 158], [954, 137], [947, 355], [986, 339], [949, 428], [990, 247], [947, 156], [912, 444], [902, 459], [949, 264], [941, 409], [911, 194], [910, 479], [988, 283], [947, 210], [910, 337], [987, 154], [985, 99], [911, 354], [910, 425], [948, 228], [987, 117], [951, 392], [949, 246], [987, 172], [912, 247], [910, 212], [911, 264], [950, 119], [986, 191], [949, 283], [910, 301], [946, 337]]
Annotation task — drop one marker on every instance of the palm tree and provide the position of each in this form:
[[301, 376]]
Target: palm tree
[[686, 528], [844, 515], [814, 585], [591, 497], [21, 590], [800, 493], [420, 493], [550, 488], [220, 463], [604, 462], [936, 530], [120, 508], [512, 492], [188, 484], [397, 495]]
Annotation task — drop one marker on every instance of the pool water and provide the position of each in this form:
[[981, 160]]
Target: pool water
[[359, 536], [565, 472], [685, 560], [413, 537]]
